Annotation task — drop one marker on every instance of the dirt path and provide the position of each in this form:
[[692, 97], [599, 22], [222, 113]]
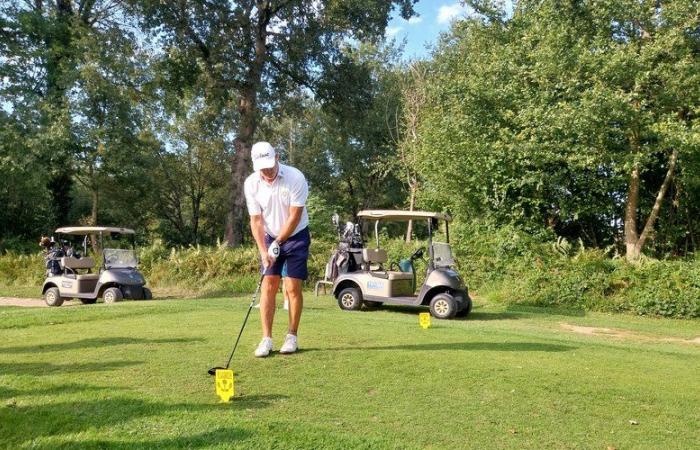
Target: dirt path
[[623, 334], [31, 302]]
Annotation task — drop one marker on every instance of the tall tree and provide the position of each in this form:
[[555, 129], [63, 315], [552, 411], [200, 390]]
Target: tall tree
[[563, 115], [72, 93], [405, 126], [254, 51]]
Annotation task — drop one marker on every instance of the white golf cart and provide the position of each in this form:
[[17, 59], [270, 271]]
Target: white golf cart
[[70, 275], [359, 275]]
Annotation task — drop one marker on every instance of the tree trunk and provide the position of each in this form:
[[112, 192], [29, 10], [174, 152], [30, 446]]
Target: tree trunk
[[631, 236], [651, 221], [248, 110], [95, 205], [634, 243], [235, 223], [411, 205], [58, 44]]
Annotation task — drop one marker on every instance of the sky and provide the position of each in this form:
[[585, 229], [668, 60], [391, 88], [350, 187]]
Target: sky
[[422, 32]]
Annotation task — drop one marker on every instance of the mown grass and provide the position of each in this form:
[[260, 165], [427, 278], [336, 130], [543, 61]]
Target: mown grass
[[133, 375]]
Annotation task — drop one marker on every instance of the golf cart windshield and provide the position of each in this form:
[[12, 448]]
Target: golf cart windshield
[[442, 254], [119, 258]]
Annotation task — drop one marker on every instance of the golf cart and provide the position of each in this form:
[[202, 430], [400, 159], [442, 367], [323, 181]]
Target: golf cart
[[359, 276], [72, 275]]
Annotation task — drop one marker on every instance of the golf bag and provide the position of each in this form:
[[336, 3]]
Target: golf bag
[[347, 257]]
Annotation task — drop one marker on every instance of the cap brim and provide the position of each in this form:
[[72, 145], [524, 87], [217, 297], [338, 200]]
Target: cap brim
[[263, 163]]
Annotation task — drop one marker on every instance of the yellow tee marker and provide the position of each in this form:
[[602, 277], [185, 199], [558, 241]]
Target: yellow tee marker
[[224, 384], [424, 320]]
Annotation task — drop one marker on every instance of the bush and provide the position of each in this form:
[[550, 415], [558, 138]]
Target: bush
[[22, 270], [502, 264], [509, 267]]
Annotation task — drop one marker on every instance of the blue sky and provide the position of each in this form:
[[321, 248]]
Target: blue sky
[[422, 32]]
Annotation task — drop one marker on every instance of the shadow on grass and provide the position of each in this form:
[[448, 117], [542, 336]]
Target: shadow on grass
[[39, 369], [474, 315], [511, 312], [229, 437], [460, 346], [91, 343], [22, 424], [6, 392]]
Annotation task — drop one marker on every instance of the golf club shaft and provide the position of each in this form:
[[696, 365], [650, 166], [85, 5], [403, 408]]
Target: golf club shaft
[[252, 302]]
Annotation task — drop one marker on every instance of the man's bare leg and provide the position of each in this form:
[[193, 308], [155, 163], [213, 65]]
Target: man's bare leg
[[296, 302], [267, 302]]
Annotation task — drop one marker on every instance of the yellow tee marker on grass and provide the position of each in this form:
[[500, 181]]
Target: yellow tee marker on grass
[[224, 384], [424, 319]]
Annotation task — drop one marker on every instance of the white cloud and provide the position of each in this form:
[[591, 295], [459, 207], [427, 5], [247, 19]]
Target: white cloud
[[447, 13], [392, 31], [414, 20]]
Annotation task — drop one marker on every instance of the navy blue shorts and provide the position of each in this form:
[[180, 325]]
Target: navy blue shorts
[[295, 253]]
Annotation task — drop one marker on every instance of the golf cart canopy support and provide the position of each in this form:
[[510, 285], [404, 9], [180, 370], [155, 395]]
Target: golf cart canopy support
[[389, 214], [90, 230]]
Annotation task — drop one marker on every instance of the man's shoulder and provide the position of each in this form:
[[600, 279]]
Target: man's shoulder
[[293, 173], [251, 180]]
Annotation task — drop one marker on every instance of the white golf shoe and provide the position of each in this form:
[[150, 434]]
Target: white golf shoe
[[264, 347], [290, 344]]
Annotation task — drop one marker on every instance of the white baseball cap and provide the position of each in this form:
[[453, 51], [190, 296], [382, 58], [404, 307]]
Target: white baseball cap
[[263, 156]]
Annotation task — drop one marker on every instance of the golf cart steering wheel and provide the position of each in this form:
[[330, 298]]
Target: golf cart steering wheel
[[418, 253]]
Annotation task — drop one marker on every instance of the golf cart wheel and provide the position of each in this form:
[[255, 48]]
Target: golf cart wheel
[[443, 306], [88, 301], [52, 297], [350, 299], [112, 295], [147, 294], [466, 309]]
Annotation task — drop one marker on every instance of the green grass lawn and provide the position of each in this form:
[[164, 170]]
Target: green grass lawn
[[133, 375]]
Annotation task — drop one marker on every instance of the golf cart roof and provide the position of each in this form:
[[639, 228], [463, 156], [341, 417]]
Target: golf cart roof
[[390, 214], [91, 230]]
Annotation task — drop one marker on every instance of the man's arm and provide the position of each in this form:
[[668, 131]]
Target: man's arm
[[291, 224], [257, 227]]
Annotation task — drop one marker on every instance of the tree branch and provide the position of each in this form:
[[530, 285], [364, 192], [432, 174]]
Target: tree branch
[[294, 77]]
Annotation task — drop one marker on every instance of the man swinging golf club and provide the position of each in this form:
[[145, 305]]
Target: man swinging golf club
[[276, 196]]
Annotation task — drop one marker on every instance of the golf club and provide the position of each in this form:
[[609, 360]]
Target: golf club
[[213, 370]]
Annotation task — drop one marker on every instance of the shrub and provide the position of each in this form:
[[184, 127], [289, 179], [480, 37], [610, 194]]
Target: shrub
[[501, 264]]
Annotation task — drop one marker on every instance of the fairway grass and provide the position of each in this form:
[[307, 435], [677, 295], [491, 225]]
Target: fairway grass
[[133, 375]]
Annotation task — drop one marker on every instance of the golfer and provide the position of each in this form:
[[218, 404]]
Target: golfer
[[276, 197]]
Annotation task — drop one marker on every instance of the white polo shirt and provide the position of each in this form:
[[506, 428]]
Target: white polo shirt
[[273, 200]]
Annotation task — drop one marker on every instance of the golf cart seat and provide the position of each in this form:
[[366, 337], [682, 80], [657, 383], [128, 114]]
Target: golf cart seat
[[374, 255], [73, 264], [379, 256], [400, 276]]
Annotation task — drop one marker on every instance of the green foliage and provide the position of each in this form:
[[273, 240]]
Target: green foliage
[[201, 270], [543, 116], [22, 269], [503, 265], [506, 265]]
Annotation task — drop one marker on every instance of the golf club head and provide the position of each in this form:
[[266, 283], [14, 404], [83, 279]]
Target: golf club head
[[213, 370]]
